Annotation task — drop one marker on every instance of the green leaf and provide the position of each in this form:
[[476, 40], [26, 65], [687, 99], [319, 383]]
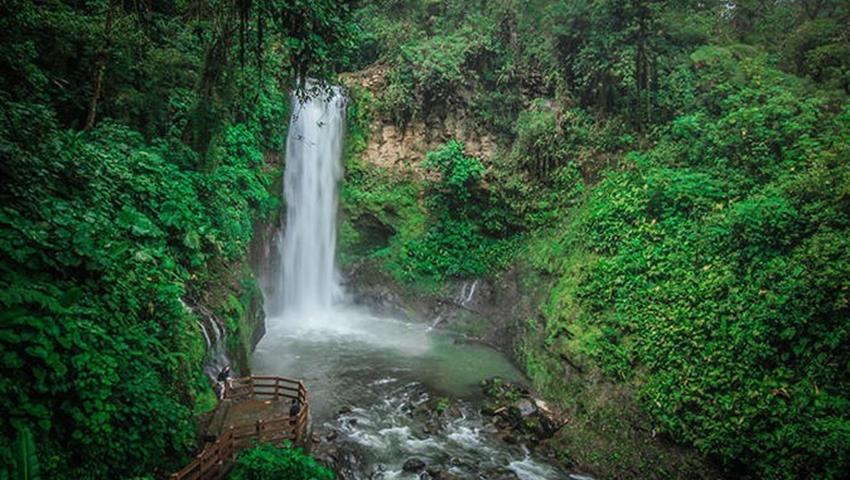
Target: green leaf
[[26, 461]]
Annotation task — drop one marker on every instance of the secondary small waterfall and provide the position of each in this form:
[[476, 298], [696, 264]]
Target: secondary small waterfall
[[310, 281]]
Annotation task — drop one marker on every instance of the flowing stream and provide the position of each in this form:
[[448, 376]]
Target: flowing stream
[[368, 375]]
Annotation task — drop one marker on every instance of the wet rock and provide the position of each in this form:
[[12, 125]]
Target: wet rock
[[490, 429], [526, 407], [379, 473], [331, 456], [332, 435], [500, 473], [519, 416], [413, 465], [439, 474], [344, 410], [502, 422]]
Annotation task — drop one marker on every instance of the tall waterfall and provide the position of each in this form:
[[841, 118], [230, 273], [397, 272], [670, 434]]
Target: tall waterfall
[[310, 280]]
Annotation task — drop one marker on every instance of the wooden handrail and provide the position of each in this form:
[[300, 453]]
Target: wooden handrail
[[264, 386], [216, 459]]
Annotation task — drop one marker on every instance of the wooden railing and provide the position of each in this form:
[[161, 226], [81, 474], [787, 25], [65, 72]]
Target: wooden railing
[[275, 388], [216, 459]]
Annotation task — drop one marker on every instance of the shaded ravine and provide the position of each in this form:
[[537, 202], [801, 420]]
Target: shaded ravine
[[373, 381]]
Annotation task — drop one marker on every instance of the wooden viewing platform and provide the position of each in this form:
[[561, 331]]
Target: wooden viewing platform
[[255, 409]]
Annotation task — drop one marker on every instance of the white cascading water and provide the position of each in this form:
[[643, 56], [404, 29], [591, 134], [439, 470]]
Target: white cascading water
[[313, 170]]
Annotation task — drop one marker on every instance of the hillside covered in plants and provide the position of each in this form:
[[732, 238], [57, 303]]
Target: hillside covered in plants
[[140, 141], [671, 179], [667, 182]]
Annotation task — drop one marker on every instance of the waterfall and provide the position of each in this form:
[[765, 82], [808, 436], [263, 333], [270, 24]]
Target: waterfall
[[467, 292], [310, 281]]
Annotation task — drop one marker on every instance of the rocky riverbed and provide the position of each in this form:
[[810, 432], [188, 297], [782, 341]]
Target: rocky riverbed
[[500, 435]]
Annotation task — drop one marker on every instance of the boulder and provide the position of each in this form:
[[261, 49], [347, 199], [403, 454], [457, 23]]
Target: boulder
[[436, 473], [413, 465], [526, 407]]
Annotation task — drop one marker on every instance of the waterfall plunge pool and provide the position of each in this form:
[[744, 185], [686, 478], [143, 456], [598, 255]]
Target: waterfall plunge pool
[[373, 369]]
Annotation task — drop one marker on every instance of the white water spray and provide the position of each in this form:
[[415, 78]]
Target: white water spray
[[313, 170]]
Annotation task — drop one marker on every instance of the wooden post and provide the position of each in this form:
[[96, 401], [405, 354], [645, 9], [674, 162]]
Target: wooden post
[[276, 388], [232, 443]]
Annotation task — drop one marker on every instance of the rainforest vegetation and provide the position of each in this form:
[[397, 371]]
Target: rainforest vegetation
[[672, 177], [677, 175], [136, 142]]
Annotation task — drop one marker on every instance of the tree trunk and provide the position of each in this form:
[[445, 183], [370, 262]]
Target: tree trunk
[[642, 103], [100, 69]]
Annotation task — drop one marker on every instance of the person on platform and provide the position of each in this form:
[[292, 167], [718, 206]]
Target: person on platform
[[223, 382], [294, 410]]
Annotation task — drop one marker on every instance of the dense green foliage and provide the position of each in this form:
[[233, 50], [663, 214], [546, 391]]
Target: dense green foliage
[[721, 269], [268, 462], [675, 173], [450, 225], [133, 140], [458, 241], [680, 170]]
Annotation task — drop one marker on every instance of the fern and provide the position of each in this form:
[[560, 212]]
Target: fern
[[26, 461]]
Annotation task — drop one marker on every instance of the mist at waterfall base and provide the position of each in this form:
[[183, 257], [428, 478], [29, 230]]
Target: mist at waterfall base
[[369, 366]]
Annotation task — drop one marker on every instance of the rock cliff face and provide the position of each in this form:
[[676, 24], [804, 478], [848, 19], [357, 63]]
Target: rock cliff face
[[392, 147], [246, 289], [395, 148], [264, 258], [264, 261]]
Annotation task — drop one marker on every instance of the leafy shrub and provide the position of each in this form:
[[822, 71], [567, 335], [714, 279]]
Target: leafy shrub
[[548, 140], [718, 284], [398, 101], [460, 177], [269, 462], [427, 75], [819, 48], [459, 230], [496, 111], [458, 242], [101, 357]]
